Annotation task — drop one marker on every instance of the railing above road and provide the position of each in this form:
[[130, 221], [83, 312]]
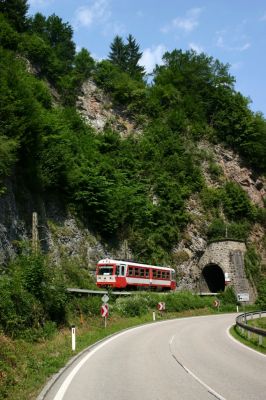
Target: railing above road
[[242, 322], [97, 292]]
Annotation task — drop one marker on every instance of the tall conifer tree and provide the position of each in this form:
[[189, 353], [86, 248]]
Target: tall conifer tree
[[15, 11], [126, 56], [133, 55], [117, 54]]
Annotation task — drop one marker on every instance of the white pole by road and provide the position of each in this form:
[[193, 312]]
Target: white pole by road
[[73, 336]]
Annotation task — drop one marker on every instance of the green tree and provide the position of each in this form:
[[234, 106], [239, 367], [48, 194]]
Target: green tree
[[84, 64], [190, 80], [118, 54], [15, 11], [59, 36], [133, 56], [37, 24], [126, 56], [9, 38], [8, 155]]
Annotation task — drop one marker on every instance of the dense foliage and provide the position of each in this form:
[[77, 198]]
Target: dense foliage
[[33, 295], [127, 56], [133, 187]]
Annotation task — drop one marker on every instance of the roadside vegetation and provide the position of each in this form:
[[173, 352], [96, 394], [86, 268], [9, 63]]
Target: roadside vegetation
[[32, 356], [132, 188], [251, 341]]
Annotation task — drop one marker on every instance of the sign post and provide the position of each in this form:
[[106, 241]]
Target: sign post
[[161, 307], [243, 298], [105, 309], [104, 312], [216, 304]]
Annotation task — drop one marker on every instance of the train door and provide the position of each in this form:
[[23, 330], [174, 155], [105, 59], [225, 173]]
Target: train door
[[121, 275], [120, 270]]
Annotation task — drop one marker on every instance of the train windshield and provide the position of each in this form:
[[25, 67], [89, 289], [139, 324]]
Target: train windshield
[[106, 270]]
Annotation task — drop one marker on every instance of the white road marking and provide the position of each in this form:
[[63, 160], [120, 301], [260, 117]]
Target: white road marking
[[209, 389], [63, 388], [171, 340], [241, 344]]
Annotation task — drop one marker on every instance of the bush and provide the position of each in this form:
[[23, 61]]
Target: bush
[[19, 309], [132, 306], [185, 301], [253, 264], [32, 294], [261, 300], [140, 304], [228, 296], [85, 306]]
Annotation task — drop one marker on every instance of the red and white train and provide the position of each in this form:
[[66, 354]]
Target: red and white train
[[119, 274]]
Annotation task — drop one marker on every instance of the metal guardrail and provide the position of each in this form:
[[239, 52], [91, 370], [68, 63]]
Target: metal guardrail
[[96, 292], [241, 321]]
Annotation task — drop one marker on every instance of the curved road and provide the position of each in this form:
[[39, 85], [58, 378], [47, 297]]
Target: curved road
[[182, 359]]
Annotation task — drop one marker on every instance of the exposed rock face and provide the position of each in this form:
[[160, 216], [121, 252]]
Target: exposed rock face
[[65, 237], [98, 111], [190, 249], [13, 227], [230, 164], [59, 232]]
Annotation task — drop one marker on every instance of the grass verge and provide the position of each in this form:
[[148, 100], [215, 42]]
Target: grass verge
[[252, 342], [25, 367]]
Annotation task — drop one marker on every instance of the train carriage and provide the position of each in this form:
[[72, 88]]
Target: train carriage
[[119, 274]]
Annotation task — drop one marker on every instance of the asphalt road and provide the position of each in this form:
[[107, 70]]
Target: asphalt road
[[183, 359]]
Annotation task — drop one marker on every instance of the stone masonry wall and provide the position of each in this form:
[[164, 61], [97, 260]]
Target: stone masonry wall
[[229, 256]]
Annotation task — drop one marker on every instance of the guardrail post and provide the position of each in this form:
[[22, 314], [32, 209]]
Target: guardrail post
[[251, 331]]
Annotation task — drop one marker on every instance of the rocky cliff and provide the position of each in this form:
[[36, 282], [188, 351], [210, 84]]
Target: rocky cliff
[[62, 235]]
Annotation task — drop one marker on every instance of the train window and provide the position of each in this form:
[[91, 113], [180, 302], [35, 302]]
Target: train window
[[146, 273], [122, 270], [117, 272], [136, 271], [159, 274], [141, 271], [130, 271], [154, 273], [163, 274], [106, 270], [167, 275]]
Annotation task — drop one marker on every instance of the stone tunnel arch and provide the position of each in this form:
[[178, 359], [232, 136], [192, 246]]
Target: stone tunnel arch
[[213, 276]]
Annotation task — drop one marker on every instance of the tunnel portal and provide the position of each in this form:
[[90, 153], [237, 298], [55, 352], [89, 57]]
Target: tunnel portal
[[214, 278]]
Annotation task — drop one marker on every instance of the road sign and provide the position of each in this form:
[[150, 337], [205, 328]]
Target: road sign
[[216, 303], [161, 306], [242, 296], [104, 310], [105, 298]]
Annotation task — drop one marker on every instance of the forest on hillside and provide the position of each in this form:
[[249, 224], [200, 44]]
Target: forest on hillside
[[126, 187], [134, 187]]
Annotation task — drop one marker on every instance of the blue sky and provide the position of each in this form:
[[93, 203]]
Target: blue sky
[[234, 31]]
